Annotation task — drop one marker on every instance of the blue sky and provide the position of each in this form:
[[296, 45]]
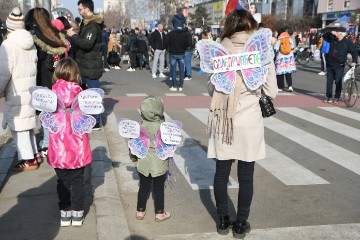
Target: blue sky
[[72, 5]]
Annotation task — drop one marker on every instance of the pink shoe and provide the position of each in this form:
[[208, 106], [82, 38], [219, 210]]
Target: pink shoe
[[140, 215], [159, 217]]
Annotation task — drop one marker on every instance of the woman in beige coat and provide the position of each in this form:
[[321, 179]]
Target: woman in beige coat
[[237, 130]]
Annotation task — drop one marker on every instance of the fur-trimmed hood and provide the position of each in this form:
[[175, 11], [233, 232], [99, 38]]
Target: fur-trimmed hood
[[94, 18], [47, 45]]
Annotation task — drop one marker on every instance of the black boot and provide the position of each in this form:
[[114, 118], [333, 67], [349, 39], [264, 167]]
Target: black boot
[[240, 228], [224, 225]]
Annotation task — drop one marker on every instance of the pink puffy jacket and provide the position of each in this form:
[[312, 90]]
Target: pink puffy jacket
[[67, 150]]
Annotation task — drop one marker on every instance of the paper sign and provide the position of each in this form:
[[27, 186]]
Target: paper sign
[[129, 129], [90, 102], [236, 61], [170, 133], [43, 99]]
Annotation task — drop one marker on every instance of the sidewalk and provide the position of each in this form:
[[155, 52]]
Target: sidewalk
[[28, 200]]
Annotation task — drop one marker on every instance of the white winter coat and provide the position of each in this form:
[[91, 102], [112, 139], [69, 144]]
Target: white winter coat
[[18, 61]]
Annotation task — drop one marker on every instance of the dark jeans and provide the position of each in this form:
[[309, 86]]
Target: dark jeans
[[334, 73], [245, 172], [188, 56], [70, 188], [143, 59], [144, 191], [280, 80], [174, 60], [132, 56], [93, 83], [323, 62]]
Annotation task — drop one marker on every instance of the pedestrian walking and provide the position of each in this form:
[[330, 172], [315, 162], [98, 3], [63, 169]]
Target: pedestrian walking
[[132, 49], [284, 59], [152, 170], [18, 67], [89, 50], [236, 129], [188, 54], [335, 61], [104, 47], [143, 49], [158, 44], [51, 47], [324, 50]]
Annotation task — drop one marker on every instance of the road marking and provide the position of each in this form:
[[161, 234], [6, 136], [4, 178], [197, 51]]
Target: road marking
[[320, 232], [280, 166], [324, 122], [136, 95], [334, 153], [175, 94], [205, 94], [193, 163], [343, 112], [286, 93]]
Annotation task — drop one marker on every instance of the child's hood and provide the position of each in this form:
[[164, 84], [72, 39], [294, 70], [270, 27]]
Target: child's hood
[[152, 113], [21, 38], [67, 91]]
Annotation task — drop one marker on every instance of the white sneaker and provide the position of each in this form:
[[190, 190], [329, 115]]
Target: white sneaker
[[117, 67], [322, 73], [130, 69], [280, 90], [291, 89], [154, 76], [180, 89], [65, 218], [173, 89], [77, 218], [170, 78], [187, 78], [106, 69], [162, 75]]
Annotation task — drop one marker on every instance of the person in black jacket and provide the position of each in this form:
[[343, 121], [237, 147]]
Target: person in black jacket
[[88, 43], [143, 49], [335, 61], [178, 42], [132, 49]]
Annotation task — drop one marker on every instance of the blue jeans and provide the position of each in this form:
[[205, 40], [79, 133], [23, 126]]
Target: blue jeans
[[93, 83], [177, 59], [245, 172], [334, 73], [188, 56]]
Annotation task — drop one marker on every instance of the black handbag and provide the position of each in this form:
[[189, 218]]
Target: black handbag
[[266, 105]]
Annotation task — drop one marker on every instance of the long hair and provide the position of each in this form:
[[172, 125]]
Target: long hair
[[43, 22], [68, 70], [238, 21]]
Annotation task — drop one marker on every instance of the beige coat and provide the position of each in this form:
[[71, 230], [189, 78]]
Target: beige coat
[[248, 144], [18, 61]]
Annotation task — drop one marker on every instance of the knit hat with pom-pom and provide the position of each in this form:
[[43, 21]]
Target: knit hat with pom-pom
[[15, 20]]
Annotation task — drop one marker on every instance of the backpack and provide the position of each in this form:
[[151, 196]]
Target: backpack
[[325, 47], [285, 46]]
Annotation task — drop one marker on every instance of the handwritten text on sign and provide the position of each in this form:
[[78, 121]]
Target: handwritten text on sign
[[236, 61], [129, 128], [43, 99], [170, 133], [90, 102]]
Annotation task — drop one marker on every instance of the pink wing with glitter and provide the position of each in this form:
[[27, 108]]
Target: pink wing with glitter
[[259, 41], [54, 121], [140, 146]]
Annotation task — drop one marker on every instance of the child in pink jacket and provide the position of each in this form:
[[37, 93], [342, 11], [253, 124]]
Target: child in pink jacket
[[68, 153]]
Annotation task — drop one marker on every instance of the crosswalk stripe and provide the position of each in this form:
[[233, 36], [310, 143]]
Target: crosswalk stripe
[[334, 153], [283, 168], [175, 94], [136, 95], [323, 122], [193, 163], [328, 232], [205, 94], [343, 112]]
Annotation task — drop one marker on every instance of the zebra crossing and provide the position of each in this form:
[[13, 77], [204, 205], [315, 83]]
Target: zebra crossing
[[198, 170]]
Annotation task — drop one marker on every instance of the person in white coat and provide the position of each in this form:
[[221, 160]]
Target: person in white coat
[[18, 61]]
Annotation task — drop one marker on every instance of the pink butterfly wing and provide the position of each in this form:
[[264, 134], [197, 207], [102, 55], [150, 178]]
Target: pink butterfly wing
[[81, 123], [254, 77], [140, 146], [224, 81], [261, 41], [163, 151], [207, 50], [54, 122]]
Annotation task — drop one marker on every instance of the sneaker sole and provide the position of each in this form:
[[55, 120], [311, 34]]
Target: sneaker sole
[[32, 168], [77, 223], [224, 231], [65, 223]]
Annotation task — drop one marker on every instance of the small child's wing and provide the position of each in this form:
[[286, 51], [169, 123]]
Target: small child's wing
[[207, 50], [163, 150], [128, 128], [81, 123], [140, 146], [54, 122], [89, 101]]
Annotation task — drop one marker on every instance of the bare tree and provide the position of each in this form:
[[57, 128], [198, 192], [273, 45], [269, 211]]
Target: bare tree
[[5, 9]]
